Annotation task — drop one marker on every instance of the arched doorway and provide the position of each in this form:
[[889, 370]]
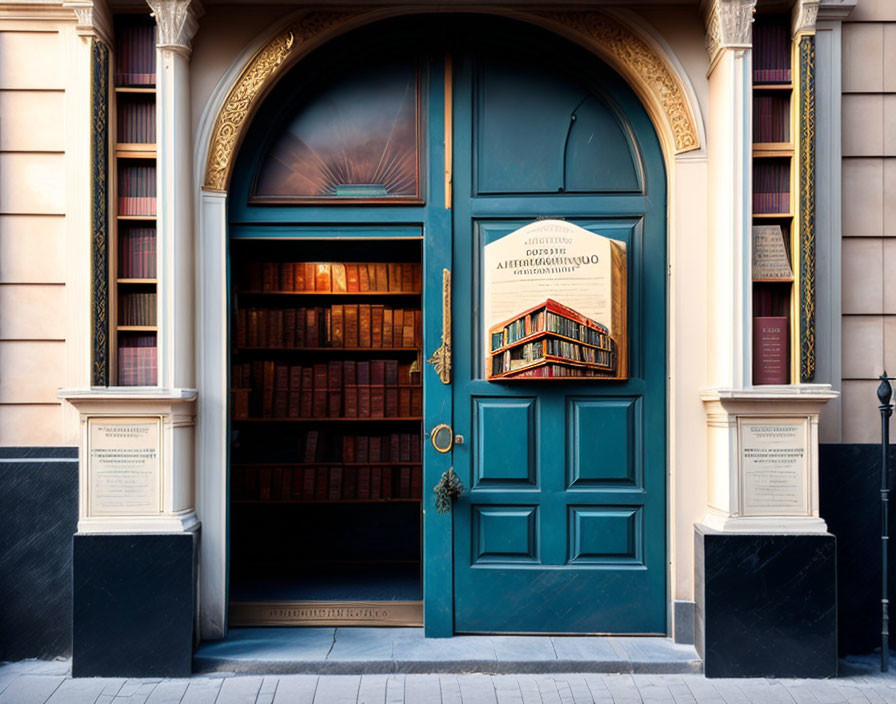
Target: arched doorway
[[419, 142]]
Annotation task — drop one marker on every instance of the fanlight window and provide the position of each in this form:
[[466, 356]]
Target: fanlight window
[[356, 138]]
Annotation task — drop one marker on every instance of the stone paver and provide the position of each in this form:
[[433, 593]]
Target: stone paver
[[33, 682]]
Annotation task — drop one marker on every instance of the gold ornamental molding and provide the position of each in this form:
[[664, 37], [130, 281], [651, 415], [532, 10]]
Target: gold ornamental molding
[[639, 63]]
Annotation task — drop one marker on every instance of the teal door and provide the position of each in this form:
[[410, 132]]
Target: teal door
[[562, 528]]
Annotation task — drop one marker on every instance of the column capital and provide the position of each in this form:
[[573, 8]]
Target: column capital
[[177, 21], [728, 25], [805, 14], [94, 21]]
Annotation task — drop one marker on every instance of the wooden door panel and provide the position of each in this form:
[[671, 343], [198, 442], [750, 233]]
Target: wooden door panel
[[603, 447], [503, 439]]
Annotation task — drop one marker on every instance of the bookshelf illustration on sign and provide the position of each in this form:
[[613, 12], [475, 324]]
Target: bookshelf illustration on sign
[[554, 304]]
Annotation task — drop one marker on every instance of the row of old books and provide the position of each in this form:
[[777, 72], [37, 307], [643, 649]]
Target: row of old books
[[333, 277], [326, 483], [771, 118], [362, 325], [771, 186], [554, 318], [137, 253], [316, 446], [771, 52], [379, 388], [137, 361], [529, 353], [137, 189], [136, 121], [137, 308], [135, 52]]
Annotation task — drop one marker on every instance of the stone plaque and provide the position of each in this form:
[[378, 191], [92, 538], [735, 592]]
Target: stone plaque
[[774, 466], [124, 466], [770, 262]]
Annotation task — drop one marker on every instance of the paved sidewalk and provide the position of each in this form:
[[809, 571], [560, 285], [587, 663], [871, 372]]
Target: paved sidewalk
[[32, 682]]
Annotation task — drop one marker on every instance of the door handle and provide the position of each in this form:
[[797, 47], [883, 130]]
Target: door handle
[[442, 438], [441, 358]]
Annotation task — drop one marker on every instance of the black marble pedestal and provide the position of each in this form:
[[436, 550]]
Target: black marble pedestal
[[134, 605], [766, 604]]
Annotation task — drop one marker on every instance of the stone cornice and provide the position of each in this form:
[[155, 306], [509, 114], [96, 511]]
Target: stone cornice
[[805, 14], [835, 9], [177, 21], [94, 19], [728, 26]]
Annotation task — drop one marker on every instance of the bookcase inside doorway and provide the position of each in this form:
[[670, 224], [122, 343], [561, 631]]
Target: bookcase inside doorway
[[326, 414]]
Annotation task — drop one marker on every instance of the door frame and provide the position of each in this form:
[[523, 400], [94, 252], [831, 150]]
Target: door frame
[[211, 227]]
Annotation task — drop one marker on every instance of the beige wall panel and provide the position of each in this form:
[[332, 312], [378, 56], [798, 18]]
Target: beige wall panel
[[861, 419], [863, 346], [889, 189], [889, 62], [863, 125], [32, 371], [863, 188], [869, 10], [31, 60], [32, 425], [30, 121], [32, 183], [32, 249], [889, 125], [889, 276], [863, 57], [32, 312], [889, 345], [862, 276]]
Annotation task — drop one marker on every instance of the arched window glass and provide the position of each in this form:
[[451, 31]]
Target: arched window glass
[[356, 138]]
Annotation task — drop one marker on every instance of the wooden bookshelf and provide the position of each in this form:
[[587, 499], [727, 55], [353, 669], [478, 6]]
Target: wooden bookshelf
[[774, 197]]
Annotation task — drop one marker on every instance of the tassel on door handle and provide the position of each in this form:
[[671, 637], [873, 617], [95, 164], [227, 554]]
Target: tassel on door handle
[[448, 490]]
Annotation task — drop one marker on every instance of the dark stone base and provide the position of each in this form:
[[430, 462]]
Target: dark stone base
[[766, 604], [38, 515], [134, 599]]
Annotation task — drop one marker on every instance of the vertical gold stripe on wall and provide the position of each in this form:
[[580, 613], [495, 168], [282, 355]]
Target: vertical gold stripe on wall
[[806, 207], [99, 212], [449, 128]]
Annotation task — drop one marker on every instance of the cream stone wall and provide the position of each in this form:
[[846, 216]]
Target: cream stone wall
[[869, 213], [44, 236]]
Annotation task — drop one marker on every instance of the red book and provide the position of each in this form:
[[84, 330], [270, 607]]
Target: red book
[[377, 402], [351, 400], [281, 390], [349, 372], [394, 443], [391, 402], [404, 448], [362, 448], [364, 326], [312, 336], [335, 404], [416, 401], [377, 372], [298, 273], [269, 278], [289, 327], [311, 446], [295, 391], [301, 322], [275, 329], [287, 276], [310, 275], [348, 448], [334, 375], [306, 400], [770, 350], [376, 449], [376, 326], [267, 399], [352, 278], [364, 401], [404, 402], [351, 326]]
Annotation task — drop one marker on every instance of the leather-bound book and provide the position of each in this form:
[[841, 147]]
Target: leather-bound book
[[350, 314], [295, 391], [387, 327], [363, 277], [377, 372], [395, 276], [408, 338], [312, 334], [363, 482], [263, 320], [252, 336], [289, 327], [415, 448], [377, 402], [335, 404], [269, 278], [394, 444], [407, 277], [264, 483], [418, 278], [319, 409], [334, 375], [416, 401], [348, 448], [306, 407], [770, 350], [281, 390], [404, 483], [301, 323], [310, 275], [404, 447], [335, 491], [364, 325], [242, 324], [376, 482], [276, 335], [240, 403], [386, 489], [351, 400], [298, 276], [391, 410], [267, 402], [376, 449], [404, 402], [418, 328], [322, 483], [287, 276], [322, 277], [352, 278], [364, 401], [416, 482], [308, 482], [397, 327], [362, 448], [311, 438], [250, 485], [337, 327], [349, 484], [376, 326], [363, 373], [390, 372], [382, 276], [338, 277], [326, 327], [349, 372]]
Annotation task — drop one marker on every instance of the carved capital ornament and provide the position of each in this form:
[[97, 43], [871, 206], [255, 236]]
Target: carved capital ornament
[[177, 23], [805, 14], [728, 26]]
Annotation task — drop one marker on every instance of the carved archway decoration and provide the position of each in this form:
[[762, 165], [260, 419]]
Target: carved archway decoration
[[648, 73]]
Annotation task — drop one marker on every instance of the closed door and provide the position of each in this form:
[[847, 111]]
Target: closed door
[[562, 526]]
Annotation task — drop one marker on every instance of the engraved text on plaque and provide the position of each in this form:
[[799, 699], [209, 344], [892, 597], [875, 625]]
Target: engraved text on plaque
[[124, 467]]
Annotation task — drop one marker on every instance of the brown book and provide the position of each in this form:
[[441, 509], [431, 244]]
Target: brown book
[[394, 443], [377, 402], [416, 483], [335, 492], [404, 447], [242, 325], [337, 327], [334, 404], [350, 313], [281, 390], [415, 448], [363, 369], [322, 483], [418, 328], [310, 275], [390, 372], [376, 482], [311, 438], [387, 327], [382, 276], [376, 326], [397, 327], [404, 483], [376, 448], [306, 405], [348, 448], [352, 278], [391, 403], [308, 482], [349, 484], [287, 276], [386, 489], [263, 321], [275, 329], [319, 408], [252, 336], [240, 403], [349, 372], [362, 448], [394, 276], [312, 338], [289, 327], [418, 278], [769, 350], [254, 276], [363, 482], [351, 401], [416, 401], [264, 483], [407, 277], [334, 375], [363, 325], [326, 327], [377, 372], [404, 402], [298, 276], [364, 277], [269, 278], [407, 337], [267, 402], [363, 401], [276, 482], [322, 277], [295, 391], [339, 279], [301, 323]]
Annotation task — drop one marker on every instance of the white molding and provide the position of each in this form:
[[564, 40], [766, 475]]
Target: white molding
[[177, 21], [94, 20], [729, 26], [182, 522], [834, 10], [779, 525]]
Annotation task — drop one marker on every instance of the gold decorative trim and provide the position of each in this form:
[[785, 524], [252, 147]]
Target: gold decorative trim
[[441, 358], [807, 208], [326, 613], [638, 62]]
